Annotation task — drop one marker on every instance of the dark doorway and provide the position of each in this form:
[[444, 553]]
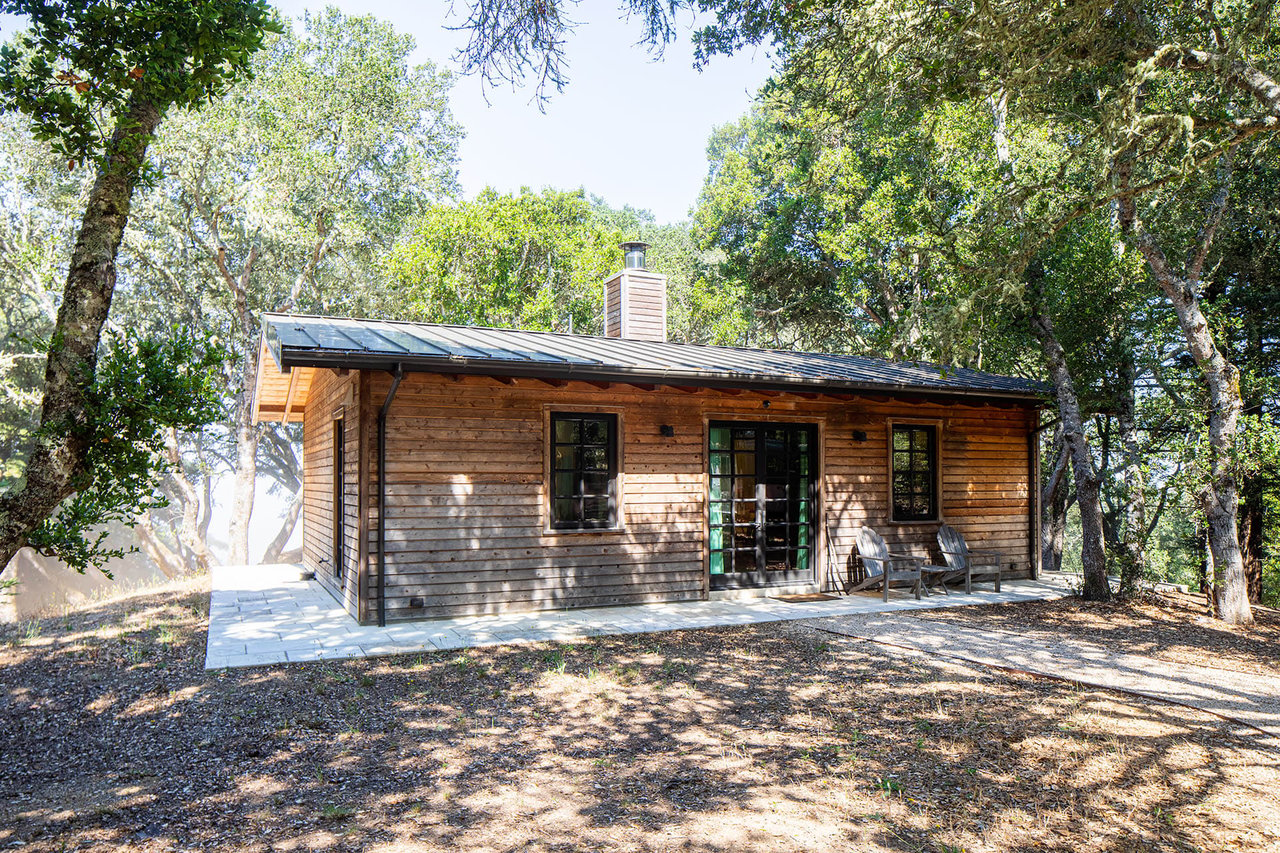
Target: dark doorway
[[763, 503]]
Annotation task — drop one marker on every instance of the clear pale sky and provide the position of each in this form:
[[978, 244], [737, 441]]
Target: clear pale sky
[[627, 128]]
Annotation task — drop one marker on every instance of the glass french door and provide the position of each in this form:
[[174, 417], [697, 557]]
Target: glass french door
[[762, 503]]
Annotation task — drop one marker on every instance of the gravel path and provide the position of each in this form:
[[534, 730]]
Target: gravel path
[[1250, 699]]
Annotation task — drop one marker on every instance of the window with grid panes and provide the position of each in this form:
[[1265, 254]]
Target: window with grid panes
[[915, 472], [584, 470]]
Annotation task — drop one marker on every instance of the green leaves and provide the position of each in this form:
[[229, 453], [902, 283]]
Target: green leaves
[[143, 388], [527, 260], [77, 65]]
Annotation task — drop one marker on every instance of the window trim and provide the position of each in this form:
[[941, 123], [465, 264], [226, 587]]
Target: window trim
[[937, 516], [549, 414]]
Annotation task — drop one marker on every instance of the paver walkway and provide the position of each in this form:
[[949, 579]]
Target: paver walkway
[[264, 614], [1247, 698]]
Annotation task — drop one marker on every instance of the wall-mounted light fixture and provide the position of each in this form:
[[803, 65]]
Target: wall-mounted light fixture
[[766, 404], [667, 430], [859, 435]]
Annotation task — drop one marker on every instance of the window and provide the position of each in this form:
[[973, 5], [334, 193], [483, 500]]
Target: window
[[584, 471], [339, 496], [915, 472]]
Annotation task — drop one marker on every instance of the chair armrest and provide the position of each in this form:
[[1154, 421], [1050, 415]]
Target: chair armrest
[[988, 555], [905, 558]]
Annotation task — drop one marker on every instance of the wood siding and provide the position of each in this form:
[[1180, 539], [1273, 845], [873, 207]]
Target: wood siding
[[635, 306], [333, 396], [467, 527]]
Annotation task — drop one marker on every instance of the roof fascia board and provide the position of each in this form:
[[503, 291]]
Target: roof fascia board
[[591, 373]]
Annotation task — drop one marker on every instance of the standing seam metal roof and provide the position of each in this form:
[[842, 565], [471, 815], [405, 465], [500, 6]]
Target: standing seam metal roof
[[303, 340]]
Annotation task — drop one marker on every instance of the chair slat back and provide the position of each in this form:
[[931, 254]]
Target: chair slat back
[[954, 549], [873, 550]]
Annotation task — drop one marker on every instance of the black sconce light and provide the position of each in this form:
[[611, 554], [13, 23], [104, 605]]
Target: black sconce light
[[859, 435], [766, 404], [667, 430]]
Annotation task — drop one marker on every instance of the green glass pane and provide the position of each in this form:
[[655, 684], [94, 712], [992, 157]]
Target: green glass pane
[[720, 463], [595, 484], [595, 459], [565, 510], [718, 514], [802, 439], [566, 458], [717, 563], [595, 432], [717, 538], [802, 512], [719, 438], [802, 536], [596, 509], [567, 431], [804, 465], [719, 488], [802, 559]]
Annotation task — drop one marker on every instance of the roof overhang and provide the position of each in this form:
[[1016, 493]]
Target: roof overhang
[[280, 394], [285, 372]]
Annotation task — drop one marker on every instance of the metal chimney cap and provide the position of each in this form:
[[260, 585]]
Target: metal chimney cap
[[633, 254]]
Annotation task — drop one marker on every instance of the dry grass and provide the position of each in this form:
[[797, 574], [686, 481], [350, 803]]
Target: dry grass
[[770, 738]]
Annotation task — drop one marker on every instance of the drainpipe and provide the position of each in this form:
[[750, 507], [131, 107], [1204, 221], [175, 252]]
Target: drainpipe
[[396, 375]]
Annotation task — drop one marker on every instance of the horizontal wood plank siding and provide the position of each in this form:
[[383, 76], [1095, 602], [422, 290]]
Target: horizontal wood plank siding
[[331, 394], [466, 492]]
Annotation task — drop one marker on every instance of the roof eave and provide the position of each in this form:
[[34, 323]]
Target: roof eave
[[288, 357]]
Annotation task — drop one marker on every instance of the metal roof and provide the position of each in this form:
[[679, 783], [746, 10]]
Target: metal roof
[[337, 342]]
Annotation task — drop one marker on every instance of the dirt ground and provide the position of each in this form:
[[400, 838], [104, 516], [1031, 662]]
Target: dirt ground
[[1169, 626], [774, 737]]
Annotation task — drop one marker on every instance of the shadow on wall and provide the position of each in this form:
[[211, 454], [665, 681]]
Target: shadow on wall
[[45, 585]]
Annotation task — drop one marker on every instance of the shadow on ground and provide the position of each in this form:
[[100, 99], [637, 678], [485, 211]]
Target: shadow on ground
[[774, 737]]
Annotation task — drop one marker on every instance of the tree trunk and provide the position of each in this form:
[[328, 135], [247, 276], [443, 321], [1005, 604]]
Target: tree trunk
[[276, 548], [190, 536], [168, 561], [1252, 522], [58, 461], [246, 470], [1219, 499], [1054, 505], [1092, 553], [1133, 533]]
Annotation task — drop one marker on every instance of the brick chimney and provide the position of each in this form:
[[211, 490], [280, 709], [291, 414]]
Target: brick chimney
[[635, 300]]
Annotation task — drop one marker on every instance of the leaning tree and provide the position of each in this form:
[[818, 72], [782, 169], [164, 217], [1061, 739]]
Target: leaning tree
[[95, 78]]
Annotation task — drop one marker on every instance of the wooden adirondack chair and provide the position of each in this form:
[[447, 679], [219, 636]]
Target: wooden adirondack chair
[[964, 562], [881, 565]]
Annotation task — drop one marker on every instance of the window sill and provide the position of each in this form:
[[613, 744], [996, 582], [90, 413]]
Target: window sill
[[914, 521], [579, 531]]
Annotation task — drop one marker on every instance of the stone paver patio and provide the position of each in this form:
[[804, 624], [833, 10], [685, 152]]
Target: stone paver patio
[[264, 615], [1245, 697]]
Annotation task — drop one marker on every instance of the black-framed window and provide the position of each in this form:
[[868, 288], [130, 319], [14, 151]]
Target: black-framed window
[[584, 470], [339, 497], [915, 472]]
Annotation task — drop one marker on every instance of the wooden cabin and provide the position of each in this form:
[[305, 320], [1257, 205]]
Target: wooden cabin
[[453, 470]]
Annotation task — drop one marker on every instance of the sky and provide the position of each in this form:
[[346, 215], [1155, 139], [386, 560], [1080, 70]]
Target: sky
[[628, 128]]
